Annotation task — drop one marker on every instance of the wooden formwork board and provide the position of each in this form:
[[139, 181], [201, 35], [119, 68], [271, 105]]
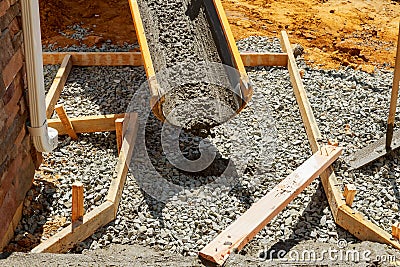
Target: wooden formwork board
[[250, 59], [344, 216], [87, 124], [240, 232], [58, 84], [106, 212]]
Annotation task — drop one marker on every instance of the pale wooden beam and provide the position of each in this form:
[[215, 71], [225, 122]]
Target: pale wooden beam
[[77, 204], [349, 193], [396, 230], [118, 132], [344, 216], [69, 236], [130, 129], [264, 59], [87, 124], [250, 59], [95, 58], [58, 84], [66, 122], [301, 95], [240, 232], [103, 214]]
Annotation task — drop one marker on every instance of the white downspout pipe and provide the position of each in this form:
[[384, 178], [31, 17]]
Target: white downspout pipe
[[44, 138]]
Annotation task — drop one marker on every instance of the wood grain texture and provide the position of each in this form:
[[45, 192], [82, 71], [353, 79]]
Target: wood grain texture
[[239, 233], [58, 84], [87, 124], [68, 127]]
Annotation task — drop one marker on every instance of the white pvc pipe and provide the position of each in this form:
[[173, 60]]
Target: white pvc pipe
[[44, 138]]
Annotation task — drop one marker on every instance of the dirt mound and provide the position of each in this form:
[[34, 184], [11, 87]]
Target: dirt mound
[[103, 19]]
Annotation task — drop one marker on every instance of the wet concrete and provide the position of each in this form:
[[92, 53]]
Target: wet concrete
[[180, 39]]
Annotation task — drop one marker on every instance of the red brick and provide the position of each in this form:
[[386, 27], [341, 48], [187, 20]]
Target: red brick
[[11, 13], [12, 68], [6, 48], [16, 193], [4, 6], [14, 27]]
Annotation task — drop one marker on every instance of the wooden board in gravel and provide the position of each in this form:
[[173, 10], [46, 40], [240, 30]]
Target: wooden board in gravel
[[197, 78]]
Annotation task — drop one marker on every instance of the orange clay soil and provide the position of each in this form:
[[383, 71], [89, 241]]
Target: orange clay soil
[[357, 33]]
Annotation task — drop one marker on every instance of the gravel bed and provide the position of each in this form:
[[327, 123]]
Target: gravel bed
[[338, 97]]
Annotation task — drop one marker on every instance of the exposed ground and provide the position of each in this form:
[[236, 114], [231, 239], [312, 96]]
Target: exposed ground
[[356, 33]]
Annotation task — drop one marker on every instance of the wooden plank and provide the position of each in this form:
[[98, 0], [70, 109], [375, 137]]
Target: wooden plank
[[264, 59], [249, 59], [69, 129], [58, 84], [301, 95], [363, 229], [68, 237], [87, 124], [396, 230], [349, 194], [117, 184], [106, 212], [95, 58], [77, 203], [344, 216], [118, 132], [239, 233], [155, 95], [328, 177], [247, 91], [393, 98]]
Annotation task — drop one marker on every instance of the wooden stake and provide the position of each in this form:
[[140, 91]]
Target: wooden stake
[[65, 121], [58, 84], [396, 230], [118, 132], [239, 233], [349, 193], [77, 203]]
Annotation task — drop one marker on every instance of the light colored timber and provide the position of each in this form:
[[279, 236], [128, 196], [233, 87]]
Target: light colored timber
[[154, 88], [129, 136], [95, 58], [365, 230], [264, 59], [247, 91], [300, 93], [69, 128], [239, 233], [328, 177], [344, 216], [58, 84], [87, 124], [396, 230], [70, 236], [349, 193], [77, 203], [118, 132], [249, 59], [101, 215]]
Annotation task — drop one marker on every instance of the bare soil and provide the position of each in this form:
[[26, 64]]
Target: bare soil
[[357, 33]]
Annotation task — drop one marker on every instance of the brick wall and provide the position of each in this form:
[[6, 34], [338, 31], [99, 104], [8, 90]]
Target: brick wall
[[17, 154]]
